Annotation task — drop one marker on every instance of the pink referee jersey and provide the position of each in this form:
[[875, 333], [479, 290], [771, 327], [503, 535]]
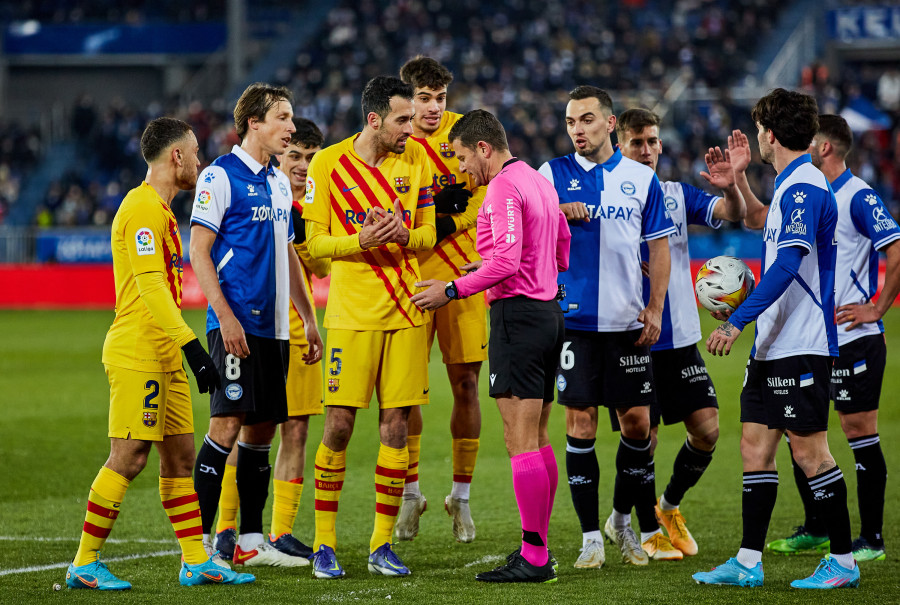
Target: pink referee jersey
[[523, 237]]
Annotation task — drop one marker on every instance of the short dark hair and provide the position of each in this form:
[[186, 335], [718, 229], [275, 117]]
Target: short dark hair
[[793, 117], [837, 131], [160, 134], [307, 134], [425, 72], [379, 91], [635, 120], [255, 102], [479, 125], [587, 92]]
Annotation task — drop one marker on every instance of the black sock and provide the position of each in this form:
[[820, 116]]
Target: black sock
[[812, 523], [690, 464], [253, 473], [208, 470], [584, 475], [757, 504], [631, 466], [645, 500], [871, 478], [830, 495]]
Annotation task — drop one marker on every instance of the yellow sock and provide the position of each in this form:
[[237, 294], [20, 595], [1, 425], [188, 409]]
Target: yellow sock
[[183, 508], [104, 500], [286, 501], [390, 473], [413, 444], [329, 474], [465, 451], [229, 502]]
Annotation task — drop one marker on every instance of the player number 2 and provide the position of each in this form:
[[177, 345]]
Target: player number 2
[[153, 387], [232, 367], [566, 357]]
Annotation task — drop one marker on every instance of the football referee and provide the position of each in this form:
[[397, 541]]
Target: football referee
[[521, 230]]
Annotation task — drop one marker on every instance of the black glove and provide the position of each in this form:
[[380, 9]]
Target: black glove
[[452, 199], [444, 226], [202, 366]]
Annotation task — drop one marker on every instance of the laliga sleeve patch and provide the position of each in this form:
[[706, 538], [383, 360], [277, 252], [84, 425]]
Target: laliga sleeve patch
[[203, 201], [310, 190], [145, 242]]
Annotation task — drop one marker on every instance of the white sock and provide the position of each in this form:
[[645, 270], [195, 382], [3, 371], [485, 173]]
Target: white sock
[[596, 536], [846, 560], [749, 558], [460, 491], [646, 535], [665, 505], [620, 521], [250, 541], [206, 540], [411, 490]]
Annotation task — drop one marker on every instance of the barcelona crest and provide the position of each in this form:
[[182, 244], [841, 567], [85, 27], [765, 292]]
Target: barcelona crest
[[150, 419], [401, 184], [447, 151], [334, 384]]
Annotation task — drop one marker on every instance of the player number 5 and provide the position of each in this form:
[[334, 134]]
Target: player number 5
[[232, 367], [566, 357]]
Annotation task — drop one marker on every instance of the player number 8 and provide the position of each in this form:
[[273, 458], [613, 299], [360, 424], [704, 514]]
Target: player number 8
[[566, 357], [232, 367]]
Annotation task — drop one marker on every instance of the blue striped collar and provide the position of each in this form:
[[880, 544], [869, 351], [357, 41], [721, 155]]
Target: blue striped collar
[[803, 159], [841, 180]]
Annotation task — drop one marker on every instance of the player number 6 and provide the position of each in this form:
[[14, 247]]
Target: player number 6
[[566, 357]]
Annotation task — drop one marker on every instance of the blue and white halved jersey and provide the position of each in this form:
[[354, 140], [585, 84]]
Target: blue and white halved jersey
[[248, 206], [625, 203], [864, 227], [803, 213], [685, 205]]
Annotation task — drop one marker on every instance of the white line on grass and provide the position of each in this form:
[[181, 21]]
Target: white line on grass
[[77, 538], [65, 564], [484, 560]]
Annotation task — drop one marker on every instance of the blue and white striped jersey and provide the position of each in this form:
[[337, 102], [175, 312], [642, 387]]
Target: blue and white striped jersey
[[685, 205], [803, 213], [626, 203], [248, 206], [864, 227]]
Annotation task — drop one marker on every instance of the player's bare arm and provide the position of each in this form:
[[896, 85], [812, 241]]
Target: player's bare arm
[[233, 336], [433, 297], [651, 315], [870, 312], [300, 298], [722, 338], [739, 153], [575, 211], [721, 175]]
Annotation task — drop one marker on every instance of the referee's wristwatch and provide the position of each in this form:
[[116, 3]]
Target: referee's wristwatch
[[451, 291]]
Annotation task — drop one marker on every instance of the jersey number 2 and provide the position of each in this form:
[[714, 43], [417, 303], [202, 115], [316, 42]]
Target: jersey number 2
[[153, 387]]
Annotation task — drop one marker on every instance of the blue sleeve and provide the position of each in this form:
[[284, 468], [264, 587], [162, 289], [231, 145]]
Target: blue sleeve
[[872, 219], [290, 222], [700, 206], [801, 207], [772, 285], [656, 222]]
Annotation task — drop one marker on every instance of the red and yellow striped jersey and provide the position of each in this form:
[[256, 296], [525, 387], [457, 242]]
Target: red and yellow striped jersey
[[370, 289], [145, 239], [320, 267], [457, 249]]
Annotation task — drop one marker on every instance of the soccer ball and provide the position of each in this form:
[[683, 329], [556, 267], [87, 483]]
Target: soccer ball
[[723, 283]]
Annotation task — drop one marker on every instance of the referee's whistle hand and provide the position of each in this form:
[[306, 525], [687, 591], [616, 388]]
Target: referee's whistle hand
[[433, 297]]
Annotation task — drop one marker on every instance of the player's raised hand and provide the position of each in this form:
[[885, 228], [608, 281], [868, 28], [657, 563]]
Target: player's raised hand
[[375, 229], [721, 172], [452, 199], [575, 211], [652, 320], [314, 351], [473, 266], [401, 232], [434, 297], [857, 314], [739, 151], [233, 336], [721, 315], [720, 341], [201, 364]]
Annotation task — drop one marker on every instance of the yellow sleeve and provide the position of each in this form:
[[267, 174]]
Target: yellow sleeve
[[321, 244], [144, 231], [424, 235], [155, 294], [469, 216], [320, 267]]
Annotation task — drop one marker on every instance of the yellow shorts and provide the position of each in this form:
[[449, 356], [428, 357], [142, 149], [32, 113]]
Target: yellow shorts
[[148, 405], [393, 362], [304, 385], [461, 328]]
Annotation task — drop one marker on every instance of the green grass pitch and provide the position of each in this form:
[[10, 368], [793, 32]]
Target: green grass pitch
[[53, 440]]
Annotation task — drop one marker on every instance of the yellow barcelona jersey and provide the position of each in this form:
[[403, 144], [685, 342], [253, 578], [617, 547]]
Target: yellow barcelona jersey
[[145, 239], [457, 249], [370, 289], [320, 267]]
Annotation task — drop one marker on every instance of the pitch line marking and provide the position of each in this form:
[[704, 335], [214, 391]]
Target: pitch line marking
[[65, 564], [76, 539]]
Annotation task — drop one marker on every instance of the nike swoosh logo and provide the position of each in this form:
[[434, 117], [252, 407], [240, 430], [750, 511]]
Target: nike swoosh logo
[[92, 584], [215, 578], [346, 189], [397, 482], [425, 392], [244, 556], [484, 346], [328, 476]]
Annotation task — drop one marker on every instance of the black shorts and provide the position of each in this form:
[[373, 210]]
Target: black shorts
[[604, 368], [788, 394], [682, 385], [526, 337], [857, 374], [255, 385]]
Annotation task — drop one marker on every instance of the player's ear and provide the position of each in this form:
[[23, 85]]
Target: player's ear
[[611, 124], [373, 120], [177, 155]]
